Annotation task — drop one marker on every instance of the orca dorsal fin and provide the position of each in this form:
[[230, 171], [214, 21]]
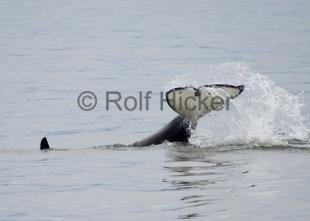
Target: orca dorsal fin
[[44, 144]]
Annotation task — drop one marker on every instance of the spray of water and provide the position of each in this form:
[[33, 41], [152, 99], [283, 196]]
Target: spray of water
[[264, 114]]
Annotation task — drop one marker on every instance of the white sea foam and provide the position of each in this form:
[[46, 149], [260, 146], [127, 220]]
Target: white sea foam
[[264, 114]]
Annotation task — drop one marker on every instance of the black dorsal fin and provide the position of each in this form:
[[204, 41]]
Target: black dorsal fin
[[44, 144]]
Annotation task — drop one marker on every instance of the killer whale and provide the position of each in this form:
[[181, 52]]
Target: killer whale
[[180, 128], [177, 130]]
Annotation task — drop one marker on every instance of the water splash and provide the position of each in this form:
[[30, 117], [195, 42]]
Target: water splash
[[264, 114]]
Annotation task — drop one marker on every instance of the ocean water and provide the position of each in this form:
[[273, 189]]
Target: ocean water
[[250, 162]]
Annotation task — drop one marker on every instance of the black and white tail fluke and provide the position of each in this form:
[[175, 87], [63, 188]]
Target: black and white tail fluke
[[44, 144], [193, 103]]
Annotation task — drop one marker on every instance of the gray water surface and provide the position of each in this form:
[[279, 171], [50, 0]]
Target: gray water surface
[[50, 51]]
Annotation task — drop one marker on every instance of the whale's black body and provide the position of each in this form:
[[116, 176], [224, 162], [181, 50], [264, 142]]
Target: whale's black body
[[180, 128], [177, 130]]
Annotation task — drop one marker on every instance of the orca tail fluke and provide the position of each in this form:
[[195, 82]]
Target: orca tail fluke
[[193, 103], [44, 144]]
